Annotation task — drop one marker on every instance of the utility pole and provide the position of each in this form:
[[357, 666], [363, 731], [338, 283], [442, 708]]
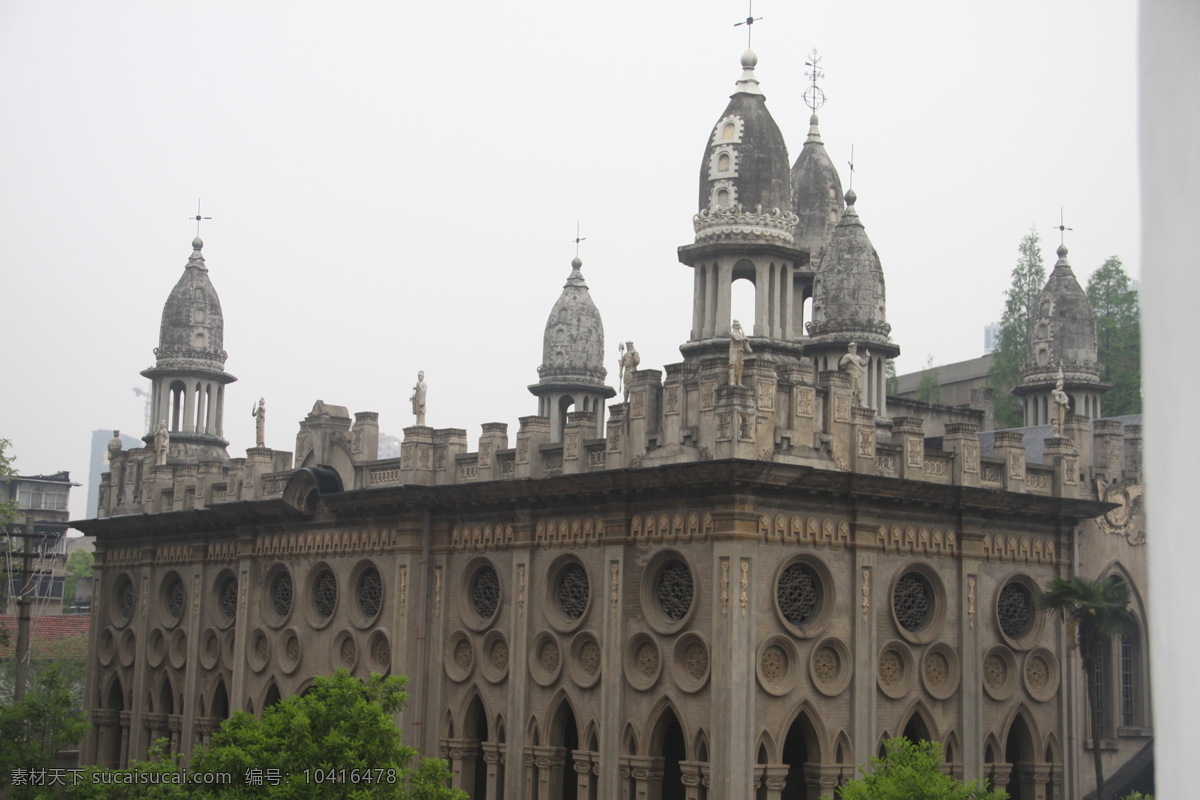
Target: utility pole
[[23, 615]]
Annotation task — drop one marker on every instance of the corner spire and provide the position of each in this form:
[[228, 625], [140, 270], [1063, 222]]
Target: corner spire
[[748, 84]]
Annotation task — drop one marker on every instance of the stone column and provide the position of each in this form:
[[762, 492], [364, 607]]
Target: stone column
[[774, 778], [862, 453], [584, 785], [493, 756], [461, 753], [711, 300], [838, 416], [580, 424], [1010, 446], [617, 436], [531, 776], [762, 300], [647, 773], [962, 439], [692, 779], [822, 779], [123, 721]]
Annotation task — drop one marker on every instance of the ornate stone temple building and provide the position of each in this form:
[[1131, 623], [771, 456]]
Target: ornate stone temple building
[[736, 582]]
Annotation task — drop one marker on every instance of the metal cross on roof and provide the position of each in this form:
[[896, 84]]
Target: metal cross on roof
[[851, 163], [1061, 228], [198, 217], [814, 98], [749, 21], [578, 239]]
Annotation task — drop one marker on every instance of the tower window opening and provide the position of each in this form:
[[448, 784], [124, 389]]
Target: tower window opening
[[177, 390], [742, 304], [728, 131], [198, 341], [723, 198], [723, 162]]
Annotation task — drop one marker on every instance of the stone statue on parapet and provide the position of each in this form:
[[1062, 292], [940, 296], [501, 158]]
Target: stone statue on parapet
[[856, 367], [739, 348], [627, 365], [418, 397], [114, 447], [259, 412], [162, 443], [1061, 403]]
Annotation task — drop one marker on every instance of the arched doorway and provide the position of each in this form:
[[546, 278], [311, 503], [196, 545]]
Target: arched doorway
[[475, 727], [797, 752], [668, 742], [564, 739], [1020, 754]]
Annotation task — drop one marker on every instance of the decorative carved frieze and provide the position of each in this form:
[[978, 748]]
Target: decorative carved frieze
[[470, 538], [380, 475], [671, 400], [804, 401], [908, 539], [794, 529], [342, 541], [1027, 549], [575, 532], [669, 528]]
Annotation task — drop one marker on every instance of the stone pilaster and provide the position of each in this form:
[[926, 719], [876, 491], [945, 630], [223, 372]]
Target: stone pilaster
[[579, 425], [674, 405], [839, 417], [1078, 429], [416, 455], [645, 413], [909, 434], [448, 445], [1010, 446], [617, 444], [962, 439], [492, 440], [364, 436], [1059, 452], [735, 418], [862, 455], [1108, 448], [760, 376]]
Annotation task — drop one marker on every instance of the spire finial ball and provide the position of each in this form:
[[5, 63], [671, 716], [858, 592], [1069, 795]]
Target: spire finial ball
[[749, 59], [851, 197], [197, 243], [1062, 251], [576, 262]]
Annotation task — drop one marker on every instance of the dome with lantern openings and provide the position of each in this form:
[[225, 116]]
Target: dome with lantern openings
[[192, 330], [849, 297], [816, 196], [745, 189], [573, 344], [1062, 331]]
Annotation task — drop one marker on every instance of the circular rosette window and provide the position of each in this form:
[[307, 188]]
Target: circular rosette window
[[107, 646], [177, 649], [172, 599], [585, 664], [321, 596], [280, 594], [495, 656], [940, 671], [691, 664], [459, 657], [379, 652], [346, 650], [568, 594], [804, 596], [210, 648], [545, 659], [290, 651], [918, 603], [126, 646], [1017, 617], [225, 599], [124, 601], [777, 665], [480, 595], [668, 592], [999, 673], [1041, 674], [258, 653], [830, 667], [894, 670], [643, 662], [157, 650], [368, 594]]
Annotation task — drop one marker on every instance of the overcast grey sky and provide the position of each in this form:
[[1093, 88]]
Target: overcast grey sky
[[395, 186]]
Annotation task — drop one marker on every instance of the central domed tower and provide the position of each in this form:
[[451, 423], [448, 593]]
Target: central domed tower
[[188, 378], [745, 228], [572, 371]]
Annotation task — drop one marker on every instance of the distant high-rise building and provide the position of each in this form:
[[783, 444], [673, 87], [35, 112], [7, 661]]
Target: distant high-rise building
[[991, 337]]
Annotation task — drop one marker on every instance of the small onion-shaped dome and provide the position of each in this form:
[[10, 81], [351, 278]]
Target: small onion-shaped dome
[[1062, 329], [816, 196], [573, 346], [193, 328], [745, 162], [848, 291]]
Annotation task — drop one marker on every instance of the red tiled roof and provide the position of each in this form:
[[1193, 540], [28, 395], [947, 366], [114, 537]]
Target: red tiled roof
[[50, 635]]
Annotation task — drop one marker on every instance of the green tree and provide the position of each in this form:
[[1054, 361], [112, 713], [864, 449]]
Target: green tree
[[338, 740], [1028, 280], [1098, 610], [912, 771], [8, 508], [46, 720], [79, 565], [929, 387], [1119, 336]]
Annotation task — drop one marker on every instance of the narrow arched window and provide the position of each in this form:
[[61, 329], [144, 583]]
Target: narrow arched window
[[723, 162], [729, 131]]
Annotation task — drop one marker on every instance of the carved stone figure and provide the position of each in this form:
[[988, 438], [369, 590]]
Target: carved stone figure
[[1061, 403], [628, 364], [418, 397], [162, 443], [856, 366], [739, 348], [114, 447], [259, 412]]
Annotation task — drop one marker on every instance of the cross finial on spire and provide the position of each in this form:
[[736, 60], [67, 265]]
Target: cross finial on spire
[[851, 162], [1061, 228], [749, 21], [578, 239], [198, 217], [814, 98]]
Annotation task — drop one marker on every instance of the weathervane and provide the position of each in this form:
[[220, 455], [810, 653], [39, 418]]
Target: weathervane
[[749, 21], [814, 98], [578, 239], [198, 217], [1061, 228], [851, 162]]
